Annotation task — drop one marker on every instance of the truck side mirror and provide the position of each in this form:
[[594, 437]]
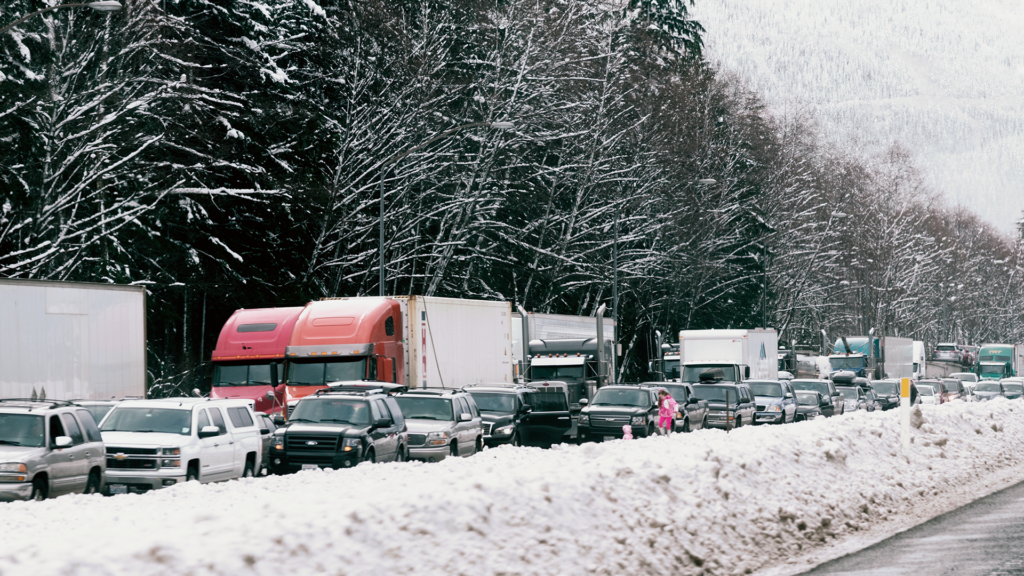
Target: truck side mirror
[[278, 419], [382, 423], [693, 400], [746, 372], [62, 441], [270, 396], [465, 417], [584, 401], [208, 431], [526, 409]]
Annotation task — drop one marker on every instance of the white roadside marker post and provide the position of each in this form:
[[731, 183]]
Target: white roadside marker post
[[905, 415]]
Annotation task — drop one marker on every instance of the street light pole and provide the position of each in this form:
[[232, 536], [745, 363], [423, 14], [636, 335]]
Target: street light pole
[[100, 6], [394, 160]]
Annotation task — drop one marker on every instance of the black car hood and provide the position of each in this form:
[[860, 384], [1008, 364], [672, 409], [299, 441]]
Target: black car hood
[[325, 428], [496, 418], [621, 410]]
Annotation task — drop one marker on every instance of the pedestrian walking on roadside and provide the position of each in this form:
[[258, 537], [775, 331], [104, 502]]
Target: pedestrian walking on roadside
[[666, 410]]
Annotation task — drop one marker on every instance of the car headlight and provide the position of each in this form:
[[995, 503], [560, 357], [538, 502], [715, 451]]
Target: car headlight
[[13, 467], [638, 420], [349, 444], [505, 430], [437, 438], [170, 451], [584, 418], [170, 463], [773, 408]]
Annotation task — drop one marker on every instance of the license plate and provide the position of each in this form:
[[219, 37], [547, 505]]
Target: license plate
[[118, 489], [310, 467], [609, 438]]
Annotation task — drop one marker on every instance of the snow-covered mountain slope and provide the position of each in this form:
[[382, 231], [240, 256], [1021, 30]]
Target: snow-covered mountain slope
[[766, 500], [943, 77]]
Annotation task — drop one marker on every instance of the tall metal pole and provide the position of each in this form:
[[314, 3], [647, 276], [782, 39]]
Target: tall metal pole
[[615, 301], [764, 285], [383, 171]]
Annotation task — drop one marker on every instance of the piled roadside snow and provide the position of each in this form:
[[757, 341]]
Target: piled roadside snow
[[702, 503]]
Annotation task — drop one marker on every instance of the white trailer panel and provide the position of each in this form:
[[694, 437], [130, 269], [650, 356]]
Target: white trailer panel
[[454, 342], [758, 349], [899, 357], [70, 340]]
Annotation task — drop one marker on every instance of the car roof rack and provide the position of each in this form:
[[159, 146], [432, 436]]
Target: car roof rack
[[362, 389], [52, 403], [510, 385], [433, 391]]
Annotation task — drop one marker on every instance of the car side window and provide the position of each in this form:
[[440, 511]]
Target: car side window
[[375, 412], [239, 417], [56, 429], [218, 419], [463, 406], [203, 420], [268, 423], [472, 406], [396, 411], [72, 427], [92, 432]]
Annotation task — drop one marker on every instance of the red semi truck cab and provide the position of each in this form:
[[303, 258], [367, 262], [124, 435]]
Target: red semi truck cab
[[249, 359], [345, 339]]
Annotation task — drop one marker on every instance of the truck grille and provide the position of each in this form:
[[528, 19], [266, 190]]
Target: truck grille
[[322, 443], [131, 451], [131, 464], [417, 439], [307, 458], [608, 421], [487, 428], [761, 407]]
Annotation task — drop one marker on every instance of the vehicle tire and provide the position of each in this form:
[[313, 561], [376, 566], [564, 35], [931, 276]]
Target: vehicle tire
[[370, 457], [479, 445], [651, 430], [92, 485], [191, 474], [704, 423], [686, 426], [400, 455], [515, 441], [40, 489], [248, 471], [739, 422], [454, 450]]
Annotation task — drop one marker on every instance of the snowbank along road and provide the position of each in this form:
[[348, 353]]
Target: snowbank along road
[[701, 503]]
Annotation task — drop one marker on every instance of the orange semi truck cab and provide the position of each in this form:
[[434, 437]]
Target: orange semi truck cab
[[344, 339], [249, 359]]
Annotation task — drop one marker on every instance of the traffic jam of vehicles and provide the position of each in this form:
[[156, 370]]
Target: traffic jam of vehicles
[[345, 381]]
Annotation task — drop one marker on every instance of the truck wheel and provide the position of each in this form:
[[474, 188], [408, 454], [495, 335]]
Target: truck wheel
[[515, 439], [479, 445], [651, 430], [40, 489], [739, 421], [191, 474], [704, 423], [92, 486], [400, 455], [455, 450], [248, 471], [686, 425], [370, 457]]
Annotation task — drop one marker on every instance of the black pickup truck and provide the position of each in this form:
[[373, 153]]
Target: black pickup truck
[[691, 412]]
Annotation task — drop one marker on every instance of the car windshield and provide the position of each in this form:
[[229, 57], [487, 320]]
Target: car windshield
[[321, 373], [964, 376], [245, 374], [98, 411], [548, 400], [945, 348], [164, 420], [1014, 388], [925, 390], [495, 402], [807, 399], [692, 373], [621, 397], [557, 372], [766, 389], [715, 393], [846, 363], [988, 387], [848, 393], [677, 392], [885, 388], [22, 430], [425, 408], [335, 410], [819, 387], [671, 369]]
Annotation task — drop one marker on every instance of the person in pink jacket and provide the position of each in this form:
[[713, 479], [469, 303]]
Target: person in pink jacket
[[666, 410]]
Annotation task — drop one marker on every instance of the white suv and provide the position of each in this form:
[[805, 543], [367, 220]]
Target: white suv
[[155, 443]]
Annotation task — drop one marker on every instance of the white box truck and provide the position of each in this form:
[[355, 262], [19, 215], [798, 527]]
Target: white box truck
[[740, 354], [69, 340]]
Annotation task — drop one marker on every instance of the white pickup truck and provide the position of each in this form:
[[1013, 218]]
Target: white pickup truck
[[155, 443]]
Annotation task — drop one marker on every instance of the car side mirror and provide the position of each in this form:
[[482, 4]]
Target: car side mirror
[[465, 417], [278, 419], [62, 441], [788, 395], [382, 423], [584, 401], [746, 372], [208, 431], [526, 409], [264, 430], [693, 401]]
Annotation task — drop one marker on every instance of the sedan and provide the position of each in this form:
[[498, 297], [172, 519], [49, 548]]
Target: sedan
[[808, 405], [853, 398], [985, 391], [1012, 390], [887, 393]]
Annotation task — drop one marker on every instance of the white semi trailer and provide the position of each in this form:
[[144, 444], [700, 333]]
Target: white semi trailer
[[69, 340], [739, 354]]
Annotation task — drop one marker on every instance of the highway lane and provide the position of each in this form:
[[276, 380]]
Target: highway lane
[[982, 538]]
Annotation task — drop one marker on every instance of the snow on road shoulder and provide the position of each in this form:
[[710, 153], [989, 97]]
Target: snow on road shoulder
[[701, 503]]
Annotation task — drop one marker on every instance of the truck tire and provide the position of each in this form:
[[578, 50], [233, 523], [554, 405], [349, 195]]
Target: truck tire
[[651, 430], [248, 471], [92, 486], [686, 426], [400, 455], [191, 474], [704, 423], [370, 457], [40, 488], [479, 447], [454, 450]]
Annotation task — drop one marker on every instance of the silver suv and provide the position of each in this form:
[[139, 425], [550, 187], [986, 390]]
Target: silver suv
[[48, 448], [441, 423]]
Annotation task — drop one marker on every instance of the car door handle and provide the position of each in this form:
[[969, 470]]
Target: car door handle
[[71, 456], [86, 454], [563, 417]]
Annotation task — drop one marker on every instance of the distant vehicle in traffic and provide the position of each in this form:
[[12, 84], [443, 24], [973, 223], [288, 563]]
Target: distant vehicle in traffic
[[951, 389], [775, 401], [1012, 389], [887, 393], [928, 395], [691, 412], [521, 415], [739, 410], [441, 423], [988, 390], [808, 405], [853, 398], [833, 400], [616, 406]]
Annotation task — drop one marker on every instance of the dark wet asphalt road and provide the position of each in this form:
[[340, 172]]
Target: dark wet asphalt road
[[982, 538]]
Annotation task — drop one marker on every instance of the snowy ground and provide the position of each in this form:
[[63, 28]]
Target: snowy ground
[[757, 499]]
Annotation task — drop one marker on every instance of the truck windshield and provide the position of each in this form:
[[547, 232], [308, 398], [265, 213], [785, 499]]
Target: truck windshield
[[321, 373], [672, 369], [164, 420], [425, 408], [993, 371], [333, 410], [766, 389], [716, 393], [621, 397], [557, 372], [245, 374], [98, 411], [847, 363], [22, 430], [692, 373], [492, 402], [1014, 388]]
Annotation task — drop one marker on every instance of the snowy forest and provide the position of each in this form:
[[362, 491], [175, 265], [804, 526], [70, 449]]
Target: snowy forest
[[231, 154]]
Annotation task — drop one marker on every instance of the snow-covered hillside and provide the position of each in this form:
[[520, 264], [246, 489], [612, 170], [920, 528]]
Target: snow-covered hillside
[[943, 77], [754, 500]]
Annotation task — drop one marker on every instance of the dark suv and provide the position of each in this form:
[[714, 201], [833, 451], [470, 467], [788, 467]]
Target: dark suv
[[339, 427], [616, 406], [535, 415]]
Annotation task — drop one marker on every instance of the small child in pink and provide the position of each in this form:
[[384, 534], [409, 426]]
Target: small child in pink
[[666, 411]]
